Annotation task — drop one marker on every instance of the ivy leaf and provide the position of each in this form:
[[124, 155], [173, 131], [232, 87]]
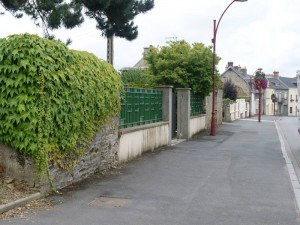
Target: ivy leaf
[[14, 68], [21, 108], [12, 102], [19, 79], [24, 63], [55, 77], [9, 82]]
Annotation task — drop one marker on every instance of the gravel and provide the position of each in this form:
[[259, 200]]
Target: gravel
[[12, 190]]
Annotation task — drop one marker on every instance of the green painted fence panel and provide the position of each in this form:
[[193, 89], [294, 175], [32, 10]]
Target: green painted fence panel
[[140, 106], [196, 105]]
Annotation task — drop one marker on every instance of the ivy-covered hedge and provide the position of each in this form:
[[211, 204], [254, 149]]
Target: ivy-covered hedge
[[53, 99]]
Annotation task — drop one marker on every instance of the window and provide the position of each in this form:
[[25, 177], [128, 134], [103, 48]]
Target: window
[[291, 97], [291, 109], [285, 95], [279, 97]]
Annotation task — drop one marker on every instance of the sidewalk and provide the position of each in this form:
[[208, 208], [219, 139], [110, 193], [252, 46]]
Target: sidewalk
[[238, 177]]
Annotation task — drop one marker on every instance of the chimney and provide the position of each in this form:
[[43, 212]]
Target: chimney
[[236, 68], [244, 70], [276, 74], [146, 49], [229, 64]]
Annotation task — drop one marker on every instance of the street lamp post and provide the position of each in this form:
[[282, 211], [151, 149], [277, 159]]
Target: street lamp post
[[250, 100], [274, 100], [260, 82], [216, 26]]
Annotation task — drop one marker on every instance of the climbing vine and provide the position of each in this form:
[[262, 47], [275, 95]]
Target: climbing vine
[[53, 99]]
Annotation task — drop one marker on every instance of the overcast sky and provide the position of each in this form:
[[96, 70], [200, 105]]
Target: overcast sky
[[253, 34]]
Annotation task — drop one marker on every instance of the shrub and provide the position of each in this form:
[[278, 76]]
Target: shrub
[[137, 78], [53, 99], [230, 90]]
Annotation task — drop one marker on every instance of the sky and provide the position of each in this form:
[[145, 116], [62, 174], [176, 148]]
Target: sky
[[253, 34]]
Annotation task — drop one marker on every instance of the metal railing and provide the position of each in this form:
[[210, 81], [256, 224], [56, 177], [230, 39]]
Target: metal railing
[[140, 106], [196, 105]]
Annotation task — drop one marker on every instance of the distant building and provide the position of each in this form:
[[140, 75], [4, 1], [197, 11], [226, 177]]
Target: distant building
[[284, 88], [277, 87], [141, 64], [298, 101], [292, 96]]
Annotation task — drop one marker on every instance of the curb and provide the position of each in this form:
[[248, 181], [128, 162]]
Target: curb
[[290, 162], [19, 202]]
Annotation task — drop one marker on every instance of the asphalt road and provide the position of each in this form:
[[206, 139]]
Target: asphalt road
[[238, 177], [289, 127]]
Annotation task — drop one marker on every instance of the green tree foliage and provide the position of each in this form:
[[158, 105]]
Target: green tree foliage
[[52, 13], [53, 99], [229, 90], [137, 78], [182, 65], [113, 17]]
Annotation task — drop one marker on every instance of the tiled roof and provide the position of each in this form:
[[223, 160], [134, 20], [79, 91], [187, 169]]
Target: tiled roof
[[276, 84], [289, 82], [142, 64]]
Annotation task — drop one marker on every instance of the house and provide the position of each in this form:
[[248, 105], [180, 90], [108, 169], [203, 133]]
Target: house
[[277, 87], [292, 98], [285, 90], [239, 77], [242, 81]]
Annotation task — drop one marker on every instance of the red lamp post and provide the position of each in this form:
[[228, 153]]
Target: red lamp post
[[216, 26], [250, 100], [260, 82]]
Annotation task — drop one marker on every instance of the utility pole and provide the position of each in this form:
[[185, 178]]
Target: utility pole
[[110, 50]]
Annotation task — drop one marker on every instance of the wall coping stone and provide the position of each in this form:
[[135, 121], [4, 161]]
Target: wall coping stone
[[196, 116], [143, 127]]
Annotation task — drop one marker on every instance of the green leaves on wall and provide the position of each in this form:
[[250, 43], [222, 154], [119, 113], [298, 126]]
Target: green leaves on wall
[[52, 99]]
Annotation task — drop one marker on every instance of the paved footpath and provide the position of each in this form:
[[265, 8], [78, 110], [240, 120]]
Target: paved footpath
[[238, 177]]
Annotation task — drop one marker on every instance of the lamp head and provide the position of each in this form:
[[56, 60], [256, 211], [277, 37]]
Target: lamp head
[[241, 0]]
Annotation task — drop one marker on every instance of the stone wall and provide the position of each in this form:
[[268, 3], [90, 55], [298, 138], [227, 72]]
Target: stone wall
[[101, 154], [17, 165]]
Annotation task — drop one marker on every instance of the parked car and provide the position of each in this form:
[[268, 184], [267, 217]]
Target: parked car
[[298, 124]]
